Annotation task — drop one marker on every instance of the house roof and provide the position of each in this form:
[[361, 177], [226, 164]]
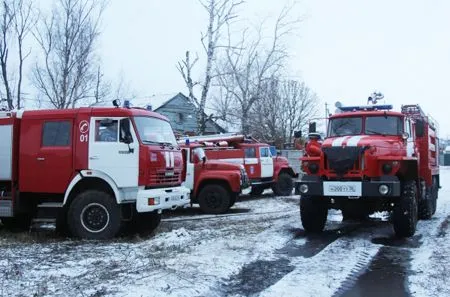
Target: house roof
[[156, 101]]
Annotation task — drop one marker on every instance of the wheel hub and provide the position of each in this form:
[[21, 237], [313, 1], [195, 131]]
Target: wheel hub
[[94, 217]]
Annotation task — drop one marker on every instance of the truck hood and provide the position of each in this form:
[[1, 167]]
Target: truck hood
[[378, 141]]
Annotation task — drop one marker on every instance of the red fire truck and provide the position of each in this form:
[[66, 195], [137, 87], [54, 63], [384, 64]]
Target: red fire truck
[[214, 185], [92, 169], [263, 169], [372, 159]]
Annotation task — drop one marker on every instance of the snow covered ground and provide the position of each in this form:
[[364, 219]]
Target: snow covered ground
[[259, 249]]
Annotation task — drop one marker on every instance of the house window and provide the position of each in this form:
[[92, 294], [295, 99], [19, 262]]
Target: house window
[[56, 133], [180, 117]]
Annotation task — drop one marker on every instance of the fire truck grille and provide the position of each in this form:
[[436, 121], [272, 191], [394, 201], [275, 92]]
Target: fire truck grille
[[164, 177], [343, 159]]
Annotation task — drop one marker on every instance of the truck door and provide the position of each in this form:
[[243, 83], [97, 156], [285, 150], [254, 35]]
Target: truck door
[[110, 152], [266, 162], [46, 155]]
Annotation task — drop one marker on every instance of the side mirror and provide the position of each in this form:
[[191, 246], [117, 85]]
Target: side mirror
[[312, 127], [420, 128], [298, 134], [125, 129]]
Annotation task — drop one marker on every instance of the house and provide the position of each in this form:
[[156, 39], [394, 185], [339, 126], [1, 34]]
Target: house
[[180, 111]]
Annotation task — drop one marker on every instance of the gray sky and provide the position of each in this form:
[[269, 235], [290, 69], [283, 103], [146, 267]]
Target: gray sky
[[344, 49]]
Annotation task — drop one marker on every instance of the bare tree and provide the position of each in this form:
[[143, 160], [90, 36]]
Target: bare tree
[[18, 18], [6, 25], [251, 63], [220, 12], [25, 18], [300, 105], [67, 39], [286, 106]]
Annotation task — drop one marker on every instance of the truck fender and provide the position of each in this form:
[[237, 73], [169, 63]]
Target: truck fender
[[88, 174], [216, 179], [280, 169]]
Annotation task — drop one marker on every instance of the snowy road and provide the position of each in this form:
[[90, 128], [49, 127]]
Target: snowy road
[[259, 249]]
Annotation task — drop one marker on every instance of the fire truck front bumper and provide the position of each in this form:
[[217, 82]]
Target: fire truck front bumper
[[387, 186], [164, 198]]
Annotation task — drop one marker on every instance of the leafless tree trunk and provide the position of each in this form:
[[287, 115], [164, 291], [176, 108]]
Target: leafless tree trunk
[[250, 64], [67, 39], [18, 18], [7, 19], [220, 13], [24, 21]]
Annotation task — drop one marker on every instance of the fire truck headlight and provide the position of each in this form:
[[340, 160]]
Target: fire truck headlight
[[304, 189], [313, 168], [387, 168], [383, 189]]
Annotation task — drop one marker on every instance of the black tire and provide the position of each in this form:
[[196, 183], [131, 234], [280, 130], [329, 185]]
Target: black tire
[[144, 224], [233, 200], [256, 191], [313, 213], [94, 215], [18, 223], [434, 194], [284, 185], [406, 211], [214, 199], [426, 205]]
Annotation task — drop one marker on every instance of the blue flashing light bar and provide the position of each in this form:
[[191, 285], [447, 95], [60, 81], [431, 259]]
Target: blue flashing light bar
[[368, 107], [126, 104]]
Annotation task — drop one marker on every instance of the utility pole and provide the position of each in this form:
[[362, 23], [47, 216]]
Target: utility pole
[[326, 116]]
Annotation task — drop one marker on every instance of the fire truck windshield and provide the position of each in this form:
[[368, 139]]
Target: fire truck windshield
[[155, 131], [384, 125], [345, 126]]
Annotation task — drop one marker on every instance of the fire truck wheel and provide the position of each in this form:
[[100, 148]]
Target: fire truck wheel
[[426, 205], [233, 200], [405, 211], [214, 199], [144, 223], [94, 215], [256, 191], [284, 185], [434, 194], [313, 214]]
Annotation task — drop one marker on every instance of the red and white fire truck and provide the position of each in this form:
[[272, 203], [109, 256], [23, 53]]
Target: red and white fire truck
[[372, 159], [215, 185], [92, 169], [264, 170]]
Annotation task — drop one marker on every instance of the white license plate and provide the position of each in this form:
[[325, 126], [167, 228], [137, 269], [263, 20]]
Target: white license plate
[[175, 198], [342, 188]]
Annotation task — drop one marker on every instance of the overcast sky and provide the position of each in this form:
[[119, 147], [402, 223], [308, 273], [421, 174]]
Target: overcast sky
[[344, 49]]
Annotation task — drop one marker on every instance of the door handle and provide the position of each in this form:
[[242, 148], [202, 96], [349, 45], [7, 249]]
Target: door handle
[[40, 159], [94, 158]]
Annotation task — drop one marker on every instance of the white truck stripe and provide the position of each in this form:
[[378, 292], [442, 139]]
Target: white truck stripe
[[353, 141]]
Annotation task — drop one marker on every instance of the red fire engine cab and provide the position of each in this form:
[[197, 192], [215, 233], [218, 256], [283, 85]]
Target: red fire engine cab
[[263, 169], [214, 185], [372, 159], [92, 169]]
